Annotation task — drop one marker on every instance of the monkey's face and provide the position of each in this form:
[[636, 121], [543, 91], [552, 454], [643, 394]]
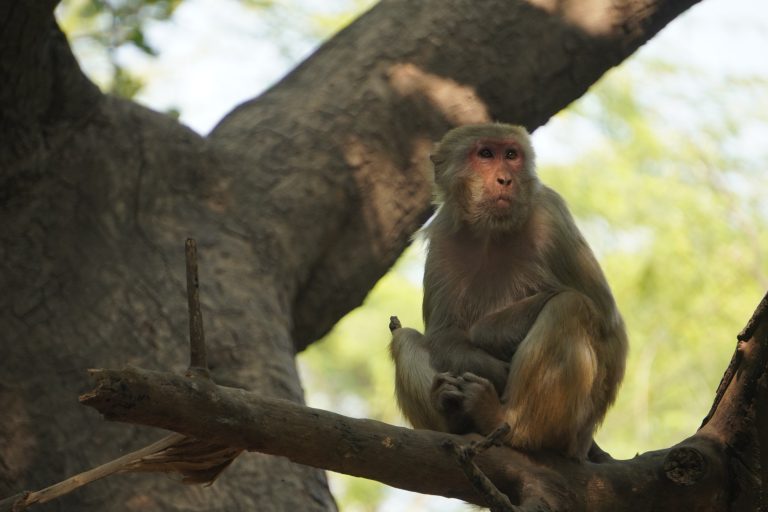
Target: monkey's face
[[485, 176], [497, 184]]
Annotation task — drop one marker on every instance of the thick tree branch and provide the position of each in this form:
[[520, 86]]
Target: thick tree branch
[[405, 458], [279, 427]]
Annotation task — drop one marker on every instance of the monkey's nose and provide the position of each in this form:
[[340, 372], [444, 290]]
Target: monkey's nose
[[504, 181]]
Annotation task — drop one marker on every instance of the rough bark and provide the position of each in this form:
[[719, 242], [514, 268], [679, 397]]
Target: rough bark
[[299, 201]]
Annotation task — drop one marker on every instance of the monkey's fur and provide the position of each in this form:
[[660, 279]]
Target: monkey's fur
[[520, 323]]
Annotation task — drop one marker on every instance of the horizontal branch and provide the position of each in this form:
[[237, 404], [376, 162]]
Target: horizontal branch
[[415, 460], [279, 427]]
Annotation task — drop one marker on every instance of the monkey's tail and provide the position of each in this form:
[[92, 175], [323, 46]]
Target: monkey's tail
[[413, 379]]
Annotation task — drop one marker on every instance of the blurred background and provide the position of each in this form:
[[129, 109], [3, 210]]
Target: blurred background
[[662, 162]]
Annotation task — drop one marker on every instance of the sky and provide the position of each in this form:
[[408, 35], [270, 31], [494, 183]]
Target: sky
[[215, 54]]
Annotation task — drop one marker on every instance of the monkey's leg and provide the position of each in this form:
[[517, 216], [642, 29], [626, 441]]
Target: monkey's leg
[[413, 379], [554, 395], [501, 333]]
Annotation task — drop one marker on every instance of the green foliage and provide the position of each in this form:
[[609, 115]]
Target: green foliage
[[105, 26], [124, 83], [331, 22]]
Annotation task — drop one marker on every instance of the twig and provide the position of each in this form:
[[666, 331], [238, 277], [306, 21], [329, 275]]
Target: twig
[[492, 439], [465, 455], [198, 359], [27, 499]]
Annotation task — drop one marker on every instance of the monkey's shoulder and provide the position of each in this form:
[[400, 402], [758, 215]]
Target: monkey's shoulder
[[568, 256], [551, 209]]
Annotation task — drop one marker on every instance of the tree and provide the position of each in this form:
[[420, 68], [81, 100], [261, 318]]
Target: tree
[[98, 194]]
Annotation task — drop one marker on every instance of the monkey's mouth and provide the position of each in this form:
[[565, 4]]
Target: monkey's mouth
[[499, 206]]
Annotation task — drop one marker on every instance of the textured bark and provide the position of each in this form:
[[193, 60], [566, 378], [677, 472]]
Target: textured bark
[[299, 201]]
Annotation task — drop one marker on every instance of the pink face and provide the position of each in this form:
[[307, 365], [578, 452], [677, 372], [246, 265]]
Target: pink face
[[499, 163]]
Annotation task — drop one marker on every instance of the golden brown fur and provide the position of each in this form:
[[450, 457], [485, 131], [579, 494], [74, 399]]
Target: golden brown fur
[[520, 323]]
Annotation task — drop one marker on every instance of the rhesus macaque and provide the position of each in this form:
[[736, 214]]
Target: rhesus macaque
[[521, 326]]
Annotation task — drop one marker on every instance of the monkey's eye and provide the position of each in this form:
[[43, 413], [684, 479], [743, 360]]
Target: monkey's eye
[[511, 154], [485, 153]]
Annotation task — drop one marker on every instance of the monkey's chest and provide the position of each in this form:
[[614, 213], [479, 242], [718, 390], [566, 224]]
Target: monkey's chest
[[490, 286]]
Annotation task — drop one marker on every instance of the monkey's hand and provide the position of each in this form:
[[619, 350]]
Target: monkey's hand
[[394, 323], [451, 350], [467, 402]]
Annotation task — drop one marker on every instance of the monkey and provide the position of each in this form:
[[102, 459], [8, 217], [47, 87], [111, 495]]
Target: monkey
[[520, 323]]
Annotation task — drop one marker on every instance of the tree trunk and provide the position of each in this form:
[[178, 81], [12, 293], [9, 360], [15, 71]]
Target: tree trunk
[[300, 200]]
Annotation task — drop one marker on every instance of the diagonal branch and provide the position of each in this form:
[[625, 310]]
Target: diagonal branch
[[465, 455], [25, 500]]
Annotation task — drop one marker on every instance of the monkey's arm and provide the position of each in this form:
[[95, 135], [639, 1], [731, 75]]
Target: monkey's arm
[[451, 351], [500, 333]]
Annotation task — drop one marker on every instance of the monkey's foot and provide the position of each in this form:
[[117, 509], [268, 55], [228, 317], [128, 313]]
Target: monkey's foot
[[468, 403], [394, 323]]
